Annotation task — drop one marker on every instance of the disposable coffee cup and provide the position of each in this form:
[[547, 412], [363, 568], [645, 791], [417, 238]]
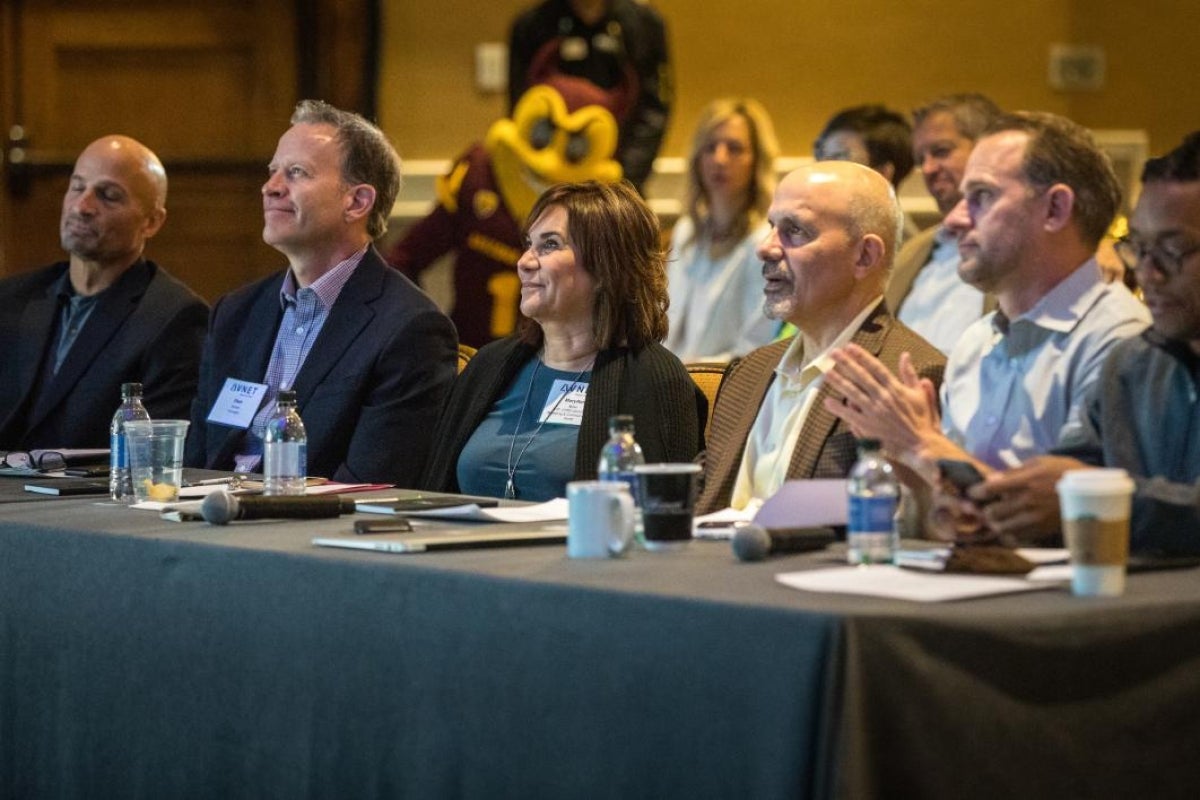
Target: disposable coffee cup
[[156, 458], [1096, 505], [668, 495], [600, 518]]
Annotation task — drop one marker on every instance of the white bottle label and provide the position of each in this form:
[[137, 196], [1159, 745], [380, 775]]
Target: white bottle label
[[284, 460]]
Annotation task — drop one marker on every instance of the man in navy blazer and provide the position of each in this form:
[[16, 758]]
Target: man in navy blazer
[[369, 355], [75, 331]]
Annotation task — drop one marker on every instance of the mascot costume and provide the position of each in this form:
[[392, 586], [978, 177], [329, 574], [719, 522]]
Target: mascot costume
[[562, 130]]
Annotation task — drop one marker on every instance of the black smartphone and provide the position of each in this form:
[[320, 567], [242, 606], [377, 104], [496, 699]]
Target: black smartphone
[[393, 525], [963, 474], [86, 472]]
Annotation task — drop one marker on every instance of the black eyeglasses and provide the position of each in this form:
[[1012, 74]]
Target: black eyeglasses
[[1169, 262], [44, 460]]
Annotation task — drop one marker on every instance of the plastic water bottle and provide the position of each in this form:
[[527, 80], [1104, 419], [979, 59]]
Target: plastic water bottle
[[874, 497], [120, 482], [285, 448], [621, 454]]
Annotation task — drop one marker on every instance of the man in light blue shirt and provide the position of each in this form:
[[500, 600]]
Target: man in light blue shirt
[[1038, 195], [1143, 414]]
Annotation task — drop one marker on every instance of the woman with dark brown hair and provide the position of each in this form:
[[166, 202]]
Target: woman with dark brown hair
[[530, 412]]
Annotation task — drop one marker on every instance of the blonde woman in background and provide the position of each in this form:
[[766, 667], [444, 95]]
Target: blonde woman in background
[[714, 278]]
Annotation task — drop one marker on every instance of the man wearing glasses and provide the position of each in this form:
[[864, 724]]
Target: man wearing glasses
[[1142, 415], [1038, 196]]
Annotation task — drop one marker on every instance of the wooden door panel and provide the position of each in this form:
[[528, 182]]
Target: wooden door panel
[[208, 85], [213, 237]]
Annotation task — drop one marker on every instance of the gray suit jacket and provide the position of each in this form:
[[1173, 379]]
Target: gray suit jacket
[[826, 447]]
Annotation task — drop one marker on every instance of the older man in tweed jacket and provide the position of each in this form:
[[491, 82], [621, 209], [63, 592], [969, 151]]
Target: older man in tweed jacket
[[835, 226]]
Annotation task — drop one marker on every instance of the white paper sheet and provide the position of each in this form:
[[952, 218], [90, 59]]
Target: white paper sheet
[[805, 504], [884, 580], [550, 511]]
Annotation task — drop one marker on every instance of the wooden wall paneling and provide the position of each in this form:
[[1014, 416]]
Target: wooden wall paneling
[[209, 86]]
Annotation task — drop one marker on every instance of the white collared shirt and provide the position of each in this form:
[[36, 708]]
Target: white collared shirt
[[1020, 390], [781, 417]]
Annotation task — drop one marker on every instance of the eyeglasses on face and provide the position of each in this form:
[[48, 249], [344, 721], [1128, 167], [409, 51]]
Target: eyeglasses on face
[[1169, 260]]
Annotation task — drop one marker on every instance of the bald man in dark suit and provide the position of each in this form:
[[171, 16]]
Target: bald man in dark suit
[[76, 330]]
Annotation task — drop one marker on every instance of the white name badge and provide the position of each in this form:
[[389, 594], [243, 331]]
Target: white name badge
[[237, 404], [564, 406]]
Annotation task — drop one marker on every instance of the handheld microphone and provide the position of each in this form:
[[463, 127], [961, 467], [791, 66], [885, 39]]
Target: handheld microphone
[[220, 508], [754, 542]]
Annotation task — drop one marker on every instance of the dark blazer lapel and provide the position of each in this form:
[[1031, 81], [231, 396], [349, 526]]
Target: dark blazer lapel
[[762, 380], [604, 399], [249, 362], [819, 424], [257, 339], [36, 326], [872, 333], [351, 313], [737, 408], [112, 309], [817, 427]]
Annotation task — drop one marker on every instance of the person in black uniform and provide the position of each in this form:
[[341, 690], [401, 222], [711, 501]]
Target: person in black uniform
[[607, 42]]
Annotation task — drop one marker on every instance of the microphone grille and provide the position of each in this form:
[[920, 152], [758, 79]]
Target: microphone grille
[[751, 543], [219, 508]]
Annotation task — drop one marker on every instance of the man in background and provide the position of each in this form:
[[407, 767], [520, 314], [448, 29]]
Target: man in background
[[368, 354], [75, 331], [925, 292], [872, 135], [834, 228]]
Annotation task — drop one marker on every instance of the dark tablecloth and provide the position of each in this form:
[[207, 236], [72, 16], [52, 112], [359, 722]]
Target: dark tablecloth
[[142, 658]]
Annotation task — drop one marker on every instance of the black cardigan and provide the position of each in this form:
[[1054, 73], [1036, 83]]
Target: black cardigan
[[650, 383]]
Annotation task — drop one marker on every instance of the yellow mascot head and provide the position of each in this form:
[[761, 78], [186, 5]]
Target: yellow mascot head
[[561, 131]]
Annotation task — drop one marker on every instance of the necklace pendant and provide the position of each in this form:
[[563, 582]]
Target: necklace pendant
[[510, 491]]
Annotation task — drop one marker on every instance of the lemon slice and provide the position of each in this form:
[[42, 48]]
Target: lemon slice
[[160, 492]]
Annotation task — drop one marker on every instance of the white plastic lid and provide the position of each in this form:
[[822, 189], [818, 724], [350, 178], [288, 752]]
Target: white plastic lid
[[1095, 481]]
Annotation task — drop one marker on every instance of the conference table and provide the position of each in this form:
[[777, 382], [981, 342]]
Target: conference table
[[147, 658]]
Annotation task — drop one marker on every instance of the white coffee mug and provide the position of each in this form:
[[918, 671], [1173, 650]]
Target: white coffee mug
[[600, 518]]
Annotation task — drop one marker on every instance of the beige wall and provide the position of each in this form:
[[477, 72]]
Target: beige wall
[[805, 59], [1153, 67]]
